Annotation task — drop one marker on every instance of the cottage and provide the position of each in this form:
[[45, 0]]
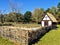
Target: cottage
[[48, 20]]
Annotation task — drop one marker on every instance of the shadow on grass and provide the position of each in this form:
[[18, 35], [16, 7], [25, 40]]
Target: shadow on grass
[[47, 30]]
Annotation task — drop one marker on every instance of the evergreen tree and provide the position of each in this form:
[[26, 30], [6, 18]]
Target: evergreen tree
[[27, 16]]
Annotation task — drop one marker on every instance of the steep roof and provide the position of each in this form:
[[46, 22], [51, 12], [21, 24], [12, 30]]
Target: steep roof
[[52, 17]]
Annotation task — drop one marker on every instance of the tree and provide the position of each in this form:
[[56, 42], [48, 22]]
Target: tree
[[58, 12], [48, 10], [53, 10], [19, 17], [12, 17], [15, 7], [6, 17], [27, 16], [37, 15], [58, 6], [41, 14], [2, 16]]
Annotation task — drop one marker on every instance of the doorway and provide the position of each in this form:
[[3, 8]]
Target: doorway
[[46, 23]]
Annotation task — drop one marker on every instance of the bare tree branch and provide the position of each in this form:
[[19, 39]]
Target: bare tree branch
[[15, 7]]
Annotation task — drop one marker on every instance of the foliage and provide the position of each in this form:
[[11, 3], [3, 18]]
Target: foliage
[[48, 10], [58, 6], [19, 17], [52, 10], [37, 15], [13, 17], [58, 12], [27, 16], [2, 18]]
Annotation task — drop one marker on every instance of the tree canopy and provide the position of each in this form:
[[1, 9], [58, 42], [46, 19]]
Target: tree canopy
[[27, 16], [35, 16]]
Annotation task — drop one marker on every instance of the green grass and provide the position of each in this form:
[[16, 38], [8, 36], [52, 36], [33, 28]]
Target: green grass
[[27, 25], [23, 25], [51, 38], [5, 42]]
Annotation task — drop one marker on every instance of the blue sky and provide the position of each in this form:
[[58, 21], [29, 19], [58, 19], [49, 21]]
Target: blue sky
[[28, 5]]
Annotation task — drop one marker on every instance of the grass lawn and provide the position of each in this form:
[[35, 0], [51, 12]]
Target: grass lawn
[[50, 38], [24, 25], [27, 25], [5, 42]]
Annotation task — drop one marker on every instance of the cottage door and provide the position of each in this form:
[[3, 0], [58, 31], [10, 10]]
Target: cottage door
[[46, 23]]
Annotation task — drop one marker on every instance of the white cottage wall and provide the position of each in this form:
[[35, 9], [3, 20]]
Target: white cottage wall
[[49, 23], [42, 23], [46, 18]]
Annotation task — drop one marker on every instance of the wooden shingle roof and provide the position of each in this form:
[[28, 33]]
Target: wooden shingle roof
[[52, 17]]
